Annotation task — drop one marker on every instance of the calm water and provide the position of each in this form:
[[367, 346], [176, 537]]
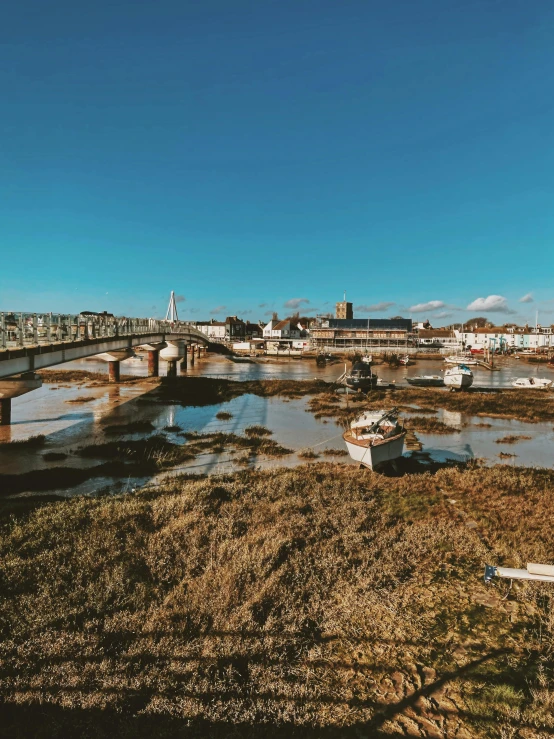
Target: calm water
[[68, 426]]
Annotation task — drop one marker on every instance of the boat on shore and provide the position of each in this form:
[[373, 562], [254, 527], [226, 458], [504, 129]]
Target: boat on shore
[[458, 377], [405, 360], [361, 377], [375, 437], [426, 381], [537, 383]]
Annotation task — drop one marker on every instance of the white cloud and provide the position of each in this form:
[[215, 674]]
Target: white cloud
[[527, 298], [443, 314], [375, 308], [427, 307], [490, 304], [218, 309], [295, 303]]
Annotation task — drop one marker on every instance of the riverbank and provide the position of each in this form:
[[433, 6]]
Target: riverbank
[[320, 601]]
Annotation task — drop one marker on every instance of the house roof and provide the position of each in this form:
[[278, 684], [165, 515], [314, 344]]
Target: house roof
[[281, 325]]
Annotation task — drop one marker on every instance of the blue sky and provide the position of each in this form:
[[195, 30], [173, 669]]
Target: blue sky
[[250, 153]]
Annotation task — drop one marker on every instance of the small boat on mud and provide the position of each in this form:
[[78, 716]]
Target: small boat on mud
[[375, 437], [426, 381], [361, 377], [459, 377], [537, 383], [405, 360]]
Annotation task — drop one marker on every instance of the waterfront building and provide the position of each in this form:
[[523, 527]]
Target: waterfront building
[[386, 333]]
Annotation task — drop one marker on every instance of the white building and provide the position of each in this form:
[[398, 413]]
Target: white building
[[508, 337], [276, 329]]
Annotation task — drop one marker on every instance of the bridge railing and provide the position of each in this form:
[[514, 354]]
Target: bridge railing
[[19, 329]]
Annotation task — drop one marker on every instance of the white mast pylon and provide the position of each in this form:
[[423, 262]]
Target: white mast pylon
[[171, 314]]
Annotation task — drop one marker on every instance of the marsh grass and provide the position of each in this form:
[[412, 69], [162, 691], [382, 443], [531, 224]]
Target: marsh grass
[[257, 430], [314, 602], [83, 399], [32, 442], [512, 439], [54, 456], [335, 452], [429, 425], [308, 454], [224, 416]]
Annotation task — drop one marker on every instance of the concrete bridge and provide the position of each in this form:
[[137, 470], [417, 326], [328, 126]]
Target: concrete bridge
[[31, 341]]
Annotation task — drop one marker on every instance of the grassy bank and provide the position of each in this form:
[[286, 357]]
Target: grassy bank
[[320, 602]]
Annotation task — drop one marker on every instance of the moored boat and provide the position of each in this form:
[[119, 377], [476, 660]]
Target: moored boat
[[426, 381], [537, 383], [458, 377], [453, 359], [375, 437], [405, 360], [361, 377]]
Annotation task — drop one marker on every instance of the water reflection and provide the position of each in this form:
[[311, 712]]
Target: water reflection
[[58, 412]]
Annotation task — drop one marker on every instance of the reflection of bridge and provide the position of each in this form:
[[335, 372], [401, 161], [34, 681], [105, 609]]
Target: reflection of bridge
[[29, 342]]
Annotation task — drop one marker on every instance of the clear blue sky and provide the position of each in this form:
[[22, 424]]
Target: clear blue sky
[[245, 154]]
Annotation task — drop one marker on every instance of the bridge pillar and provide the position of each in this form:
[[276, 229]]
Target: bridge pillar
[[13, 387], [113, 370], [153, 363], [5, 411], [192, 355], [184, 362], [172, 368]]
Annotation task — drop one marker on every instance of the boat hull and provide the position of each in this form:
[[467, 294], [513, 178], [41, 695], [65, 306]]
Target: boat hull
[[361, 383], [426, 381], [372, 455], [458, 381], [537, 384]]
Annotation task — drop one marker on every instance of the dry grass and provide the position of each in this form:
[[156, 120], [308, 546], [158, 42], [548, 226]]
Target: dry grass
[[316, 602], [335, 452]]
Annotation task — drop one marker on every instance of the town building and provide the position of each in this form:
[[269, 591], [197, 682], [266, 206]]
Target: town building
[[505, 338], [393, 333]]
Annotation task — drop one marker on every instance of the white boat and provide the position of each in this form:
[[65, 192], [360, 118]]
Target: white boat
[[405, 360], [453, 359], [537, 383], [458, 377], [375, 437]]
